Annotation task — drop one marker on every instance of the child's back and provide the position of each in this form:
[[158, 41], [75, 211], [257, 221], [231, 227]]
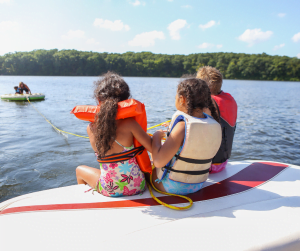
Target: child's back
[[183, 161], [112, 141]]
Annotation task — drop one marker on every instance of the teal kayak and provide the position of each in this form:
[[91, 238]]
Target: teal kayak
[[23, 97]]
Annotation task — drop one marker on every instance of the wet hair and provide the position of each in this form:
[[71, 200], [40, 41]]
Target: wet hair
[[198, 95], [109, 90], [213, 77]]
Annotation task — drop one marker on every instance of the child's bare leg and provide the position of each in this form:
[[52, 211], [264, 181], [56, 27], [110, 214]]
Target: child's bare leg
[[87, 175]]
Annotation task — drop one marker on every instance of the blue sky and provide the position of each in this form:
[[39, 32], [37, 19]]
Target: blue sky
[[159, 26]]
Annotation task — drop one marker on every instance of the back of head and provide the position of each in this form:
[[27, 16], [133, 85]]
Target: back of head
[[111, 86], [213, 77], [198, 95], [109, 90]]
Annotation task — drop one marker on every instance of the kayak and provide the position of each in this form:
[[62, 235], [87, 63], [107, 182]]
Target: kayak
[[23, 97], [251, 205]]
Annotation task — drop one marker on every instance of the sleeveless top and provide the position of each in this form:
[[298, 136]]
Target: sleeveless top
[[122, 178]]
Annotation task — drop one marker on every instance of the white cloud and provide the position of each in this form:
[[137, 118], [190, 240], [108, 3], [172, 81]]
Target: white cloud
[[186, 6], [255, 36], [9, 26], [298, 55], [5, 1], [175, 27], [219, 46], [296, 37], [276, 47], [116, 25], [208, 25], [281, 14], [137, 3], [73, 34], [146, 39], [92, 41]]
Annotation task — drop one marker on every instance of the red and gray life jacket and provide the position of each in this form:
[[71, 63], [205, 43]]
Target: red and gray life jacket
[[227, 109]]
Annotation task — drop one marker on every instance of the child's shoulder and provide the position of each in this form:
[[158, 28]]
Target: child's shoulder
[[179, 127], [127, 122]]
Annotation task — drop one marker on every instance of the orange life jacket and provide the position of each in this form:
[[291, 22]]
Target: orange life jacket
[[129, 108]]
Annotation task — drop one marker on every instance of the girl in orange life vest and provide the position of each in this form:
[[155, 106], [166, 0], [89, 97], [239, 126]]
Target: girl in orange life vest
[[110, 136], [193, 95]]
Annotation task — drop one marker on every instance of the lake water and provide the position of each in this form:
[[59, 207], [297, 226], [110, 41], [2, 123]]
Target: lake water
[[34, 157]]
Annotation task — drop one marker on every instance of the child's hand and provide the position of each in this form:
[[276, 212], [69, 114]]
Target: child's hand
[[161, 133], [166, 124]]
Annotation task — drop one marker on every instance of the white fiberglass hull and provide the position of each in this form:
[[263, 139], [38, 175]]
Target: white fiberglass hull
[[252, 205]]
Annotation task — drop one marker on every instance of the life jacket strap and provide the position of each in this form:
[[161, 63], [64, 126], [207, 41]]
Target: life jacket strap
[[194, 161], [118, 157], [188, 160], [170, 169]]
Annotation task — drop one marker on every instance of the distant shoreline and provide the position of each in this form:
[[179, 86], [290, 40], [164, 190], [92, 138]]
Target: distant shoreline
[[235, 66], [144, 77]]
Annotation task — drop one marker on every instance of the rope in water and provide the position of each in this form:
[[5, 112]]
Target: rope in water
[[54, 125], [77, 134]]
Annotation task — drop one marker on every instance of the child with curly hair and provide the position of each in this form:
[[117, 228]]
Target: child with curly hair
[[183, 161], [109, 136]]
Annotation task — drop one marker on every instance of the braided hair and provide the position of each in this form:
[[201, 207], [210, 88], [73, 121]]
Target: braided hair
[[109, 90], [197, 95]]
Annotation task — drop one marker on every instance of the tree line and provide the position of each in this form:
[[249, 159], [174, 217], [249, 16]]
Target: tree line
[[81, 63]]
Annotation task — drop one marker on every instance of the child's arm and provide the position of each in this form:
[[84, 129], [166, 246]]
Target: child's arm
[[162, 154], [141, 136]]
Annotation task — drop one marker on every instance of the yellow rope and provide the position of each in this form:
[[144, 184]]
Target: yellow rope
[[165, 204], [54, 125], [158, 125]]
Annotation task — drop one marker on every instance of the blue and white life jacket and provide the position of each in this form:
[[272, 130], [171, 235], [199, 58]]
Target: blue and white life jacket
[[202, 140]]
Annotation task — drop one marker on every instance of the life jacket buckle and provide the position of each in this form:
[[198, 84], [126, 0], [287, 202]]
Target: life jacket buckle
[[165, 167]]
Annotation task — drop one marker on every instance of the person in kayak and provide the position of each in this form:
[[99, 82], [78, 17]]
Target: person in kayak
[[17, 89], [110, 136], [24, 87], [183, 161], [227, 111]]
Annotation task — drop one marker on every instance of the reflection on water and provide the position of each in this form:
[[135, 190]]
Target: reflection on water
[[34, 156]]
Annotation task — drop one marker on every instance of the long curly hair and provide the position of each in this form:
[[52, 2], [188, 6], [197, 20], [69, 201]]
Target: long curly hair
[[198, 95], [109, 90]]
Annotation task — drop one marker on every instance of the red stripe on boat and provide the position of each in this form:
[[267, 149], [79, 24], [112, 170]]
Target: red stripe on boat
[[250, 177]]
